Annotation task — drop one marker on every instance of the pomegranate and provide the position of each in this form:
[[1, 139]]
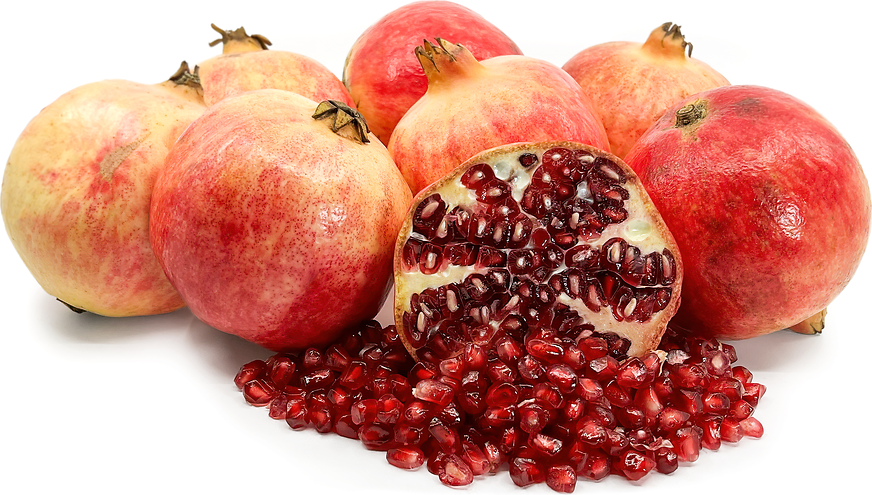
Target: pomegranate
[[77, 190], [580, 416], [632, 84], [381, 70], [555, 240], [767, 202], [473, 106], [247, 64], [275, 218]]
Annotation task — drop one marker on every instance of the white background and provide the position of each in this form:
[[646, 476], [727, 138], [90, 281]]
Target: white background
[[139, 405]]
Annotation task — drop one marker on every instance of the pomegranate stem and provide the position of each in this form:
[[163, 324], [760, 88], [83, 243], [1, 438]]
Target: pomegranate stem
[[238, 41], [346, 121]]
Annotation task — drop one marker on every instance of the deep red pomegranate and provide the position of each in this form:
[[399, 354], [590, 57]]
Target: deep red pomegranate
[[77, 189], [554, 419], [472, 106], [632, 84], [381, 70], [246, 64], [275, 218], [767, 202]]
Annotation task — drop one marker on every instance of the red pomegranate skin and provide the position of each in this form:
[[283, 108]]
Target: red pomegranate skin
[[381, 71], [768, 204], [274, 228]]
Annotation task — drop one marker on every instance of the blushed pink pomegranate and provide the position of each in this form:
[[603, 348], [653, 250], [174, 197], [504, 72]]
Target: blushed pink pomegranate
[[632, 84], [767, 202], [77, 190], [553, 239], [275, 218], [473, 106], [246, 64], [381, 71]]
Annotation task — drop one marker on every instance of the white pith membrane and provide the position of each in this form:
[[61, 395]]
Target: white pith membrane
[[640, 230]]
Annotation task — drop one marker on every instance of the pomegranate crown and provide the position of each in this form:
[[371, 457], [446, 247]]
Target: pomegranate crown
[[240, 35], [674, 30], [347, 122], [184, 76]]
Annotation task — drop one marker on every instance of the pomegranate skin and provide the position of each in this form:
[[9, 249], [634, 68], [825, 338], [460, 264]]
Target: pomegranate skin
[[768, 204], [77, 190], [246, 64], [274, 228], [381, 71], [474, 106], [631, 84]]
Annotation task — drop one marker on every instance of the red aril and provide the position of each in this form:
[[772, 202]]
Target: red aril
[[381, 71], [77, 190], [632, 84], [459, 444], [263, 221], [247, 64], [767, 202], [474, 106]]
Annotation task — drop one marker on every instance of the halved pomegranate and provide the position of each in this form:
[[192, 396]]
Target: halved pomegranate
[[539, 244]]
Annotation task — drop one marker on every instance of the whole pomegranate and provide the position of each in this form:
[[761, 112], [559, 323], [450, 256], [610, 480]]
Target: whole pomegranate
[[471, 106], [767, 202], [381, 71], [247, 64], [632, 84], [77, 191], [557, 238], [276, 222]]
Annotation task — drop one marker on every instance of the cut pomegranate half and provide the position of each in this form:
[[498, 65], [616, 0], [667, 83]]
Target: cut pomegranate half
[[544, 244]]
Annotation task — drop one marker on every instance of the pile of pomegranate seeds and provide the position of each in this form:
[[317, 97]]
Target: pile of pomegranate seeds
[[548, 409]]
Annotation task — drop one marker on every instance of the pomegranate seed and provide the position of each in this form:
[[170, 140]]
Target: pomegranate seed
[[687, 442], [742, 374], [632, 373], [446, 437], [563, 376], [753, 392], [731, 430], [525, 471], [751, 427], [406, 457], [345, 427], [596, 467], [389, 409], [545, 444], [635, 465], [666, 460], [711, 432], [474, 457], [561, 478], [591, 433], [433, 391], [454, 472], [259, 392], [250, 371], [320, 414], [740, 410], [364, 411], [715, 403], [533, 417], [375, 436], [296, 413]]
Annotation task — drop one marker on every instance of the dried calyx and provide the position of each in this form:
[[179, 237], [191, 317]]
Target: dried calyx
[[238, 40], [343, 120]]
